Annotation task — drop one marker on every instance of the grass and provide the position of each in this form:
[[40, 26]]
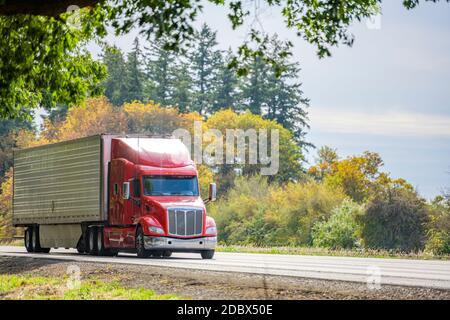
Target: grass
[[47, 288], [14, 242], [313, 251]]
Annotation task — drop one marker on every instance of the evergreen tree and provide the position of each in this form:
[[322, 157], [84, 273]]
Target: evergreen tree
[[275, 97], [286, 103], [182, 87], [255, 87], [134, 74], [159, 73], [225, 87], [115, 86], [205, 62]]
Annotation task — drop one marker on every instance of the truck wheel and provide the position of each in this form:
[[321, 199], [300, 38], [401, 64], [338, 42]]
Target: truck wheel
[[101, 250], [207, 254], [27, 239], [81, 245], [92, 241], [141, 251], [167, 253], [36, 242]]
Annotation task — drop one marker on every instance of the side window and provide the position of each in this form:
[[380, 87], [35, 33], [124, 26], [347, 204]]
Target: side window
[[136, 188], [116, 189]]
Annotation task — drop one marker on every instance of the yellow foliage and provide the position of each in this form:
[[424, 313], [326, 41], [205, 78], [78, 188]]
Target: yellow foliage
[[95, 117], [6, 228]]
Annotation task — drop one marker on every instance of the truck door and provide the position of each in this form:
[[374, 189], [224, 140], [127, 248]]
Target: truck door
[[136, 200]]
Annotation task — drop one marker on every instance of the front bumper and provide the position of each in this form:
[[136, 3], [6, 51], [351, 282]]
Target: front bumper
[[177, 244]]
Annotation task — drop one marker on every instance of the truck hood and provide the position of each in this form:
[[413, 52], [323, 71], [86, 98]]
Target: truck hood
[[176, 201]]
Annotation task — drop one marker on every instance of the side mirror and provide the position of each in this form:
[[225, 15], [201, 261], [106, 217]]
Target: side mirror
[[126, 190], [212, 192]]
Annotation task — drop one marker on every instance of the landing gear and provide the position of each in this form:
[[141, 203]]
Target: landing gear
[[207, 254]]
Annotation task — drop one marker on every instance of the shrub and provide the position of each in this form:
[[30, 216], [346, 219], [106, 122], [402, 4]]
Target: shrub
[[395, 220], [438, 232], [256, 212], [341, 230]]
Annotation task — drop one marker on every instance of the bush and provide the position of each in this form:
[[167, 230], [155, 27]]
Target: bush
[[396, 221], [438, 233], [258, 213], [341, 230]]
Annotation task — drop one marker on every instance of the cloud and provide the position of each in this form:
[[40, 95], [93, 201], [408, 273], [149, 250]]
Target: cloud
[[385, 124]]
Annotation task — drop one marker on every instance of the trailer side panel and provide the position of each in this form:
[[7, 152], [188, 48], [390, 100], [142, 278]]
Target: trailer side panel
[[59, 183]]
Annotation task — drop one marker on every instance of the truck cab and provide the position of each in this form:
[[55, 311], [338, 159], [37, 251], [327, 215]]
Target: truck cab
[[154, 200]]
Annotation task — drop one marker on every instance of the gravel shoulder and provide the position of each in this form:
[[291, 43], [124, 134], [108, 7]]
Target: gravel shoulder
[[199, 284]]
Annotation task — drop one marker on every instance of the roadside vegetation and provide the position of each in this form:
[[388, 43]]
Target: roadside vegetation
[[51, 288]]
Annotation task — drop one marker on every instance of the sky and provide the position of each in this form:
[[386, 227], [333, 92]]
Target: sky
[[388, 93]]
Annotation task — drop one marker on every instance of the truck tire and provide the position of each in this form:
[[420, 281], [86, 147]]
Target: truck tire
[[81, 245], [101, 250], [92, 241], [167, 253], [207, 254], [36, 242], [27, 239], [140, 249]]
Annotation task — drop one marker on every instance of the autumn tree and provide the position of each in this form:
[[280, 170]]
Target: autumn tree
[[290, 154], [360, 176], [8, 132]]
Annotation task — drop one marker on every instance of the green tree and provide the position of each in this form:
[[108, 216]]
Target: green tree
[[278, 98], [182, 86], [438, 229], [255, 87], [341, 230], [159, 72], [205, 61], [395, 220], [41, 53], [134, 74], [226, 86], [43, 62], [115, 85]]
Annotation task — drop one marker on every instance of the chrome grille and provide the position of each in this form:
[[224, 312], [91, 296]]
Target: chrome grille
[[185, 222]]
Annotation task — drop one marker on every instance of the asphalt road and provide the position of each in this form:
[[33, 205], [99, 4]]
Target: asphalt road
[[416, 273]]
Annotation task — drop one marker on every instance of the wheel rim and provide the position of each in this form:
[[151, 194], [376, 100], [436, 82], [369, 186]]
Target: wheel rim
[[91, 240], [99, 240]]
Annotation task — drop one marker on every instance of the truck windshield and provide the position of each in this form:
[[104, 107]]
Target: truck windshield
[[170, 186]]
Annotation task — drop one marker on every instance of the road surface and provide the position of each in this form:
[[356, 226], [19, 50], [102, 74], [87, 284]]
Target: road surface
[[415, 273]]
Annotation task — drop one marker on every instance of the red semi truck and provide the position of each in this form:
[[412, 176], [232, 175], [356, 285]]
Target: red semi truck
[[108, 193]]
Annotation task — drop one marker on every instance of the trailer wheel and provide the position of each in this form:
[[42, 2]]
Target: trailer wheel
[[36, 242], [167, 253], [207, 254], [141, 251], [27, 239], [92, 241]]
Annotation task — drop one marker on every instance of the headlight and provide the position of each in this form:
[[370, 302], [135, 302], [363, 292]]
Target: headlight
[[211, 230], [157, 230]]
